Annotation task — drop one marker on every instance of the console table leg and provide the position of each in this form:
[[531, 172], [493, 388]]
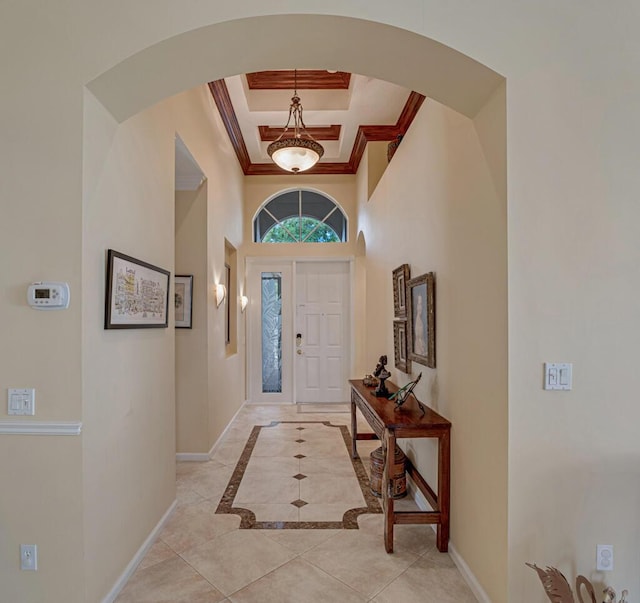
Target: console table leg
[[444, 478], [387, 501], [354, 429]]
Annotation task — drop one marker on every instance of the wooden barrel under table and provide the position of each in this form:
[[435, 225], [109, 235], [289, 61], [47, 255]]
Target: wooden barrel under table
[[398, 475]]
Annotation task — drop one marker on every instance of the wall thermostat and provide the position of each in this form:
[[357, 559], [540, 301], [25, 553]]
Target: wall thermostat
[[48, 296]]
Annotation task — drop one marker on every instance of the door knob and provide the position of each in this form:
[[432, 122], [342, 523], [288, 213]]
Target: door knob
[[299, 352]]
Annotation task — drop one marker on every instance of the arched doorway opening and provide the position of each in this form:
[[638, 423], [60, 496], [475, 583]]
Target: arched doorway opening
[[184, 61], [216, 51]]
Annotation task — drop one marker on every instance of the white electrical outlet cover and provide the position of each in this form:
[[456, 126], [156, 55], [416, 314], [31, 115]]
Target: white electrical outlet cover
[[604, 557]]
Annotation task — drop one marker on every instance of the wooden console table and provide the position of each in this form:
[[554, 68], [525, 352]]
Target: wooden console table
[[390, 422]]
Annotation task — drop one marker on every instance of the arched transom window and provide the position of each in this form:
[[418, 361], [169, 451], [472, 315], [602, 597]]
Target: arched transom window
[[300, 216]]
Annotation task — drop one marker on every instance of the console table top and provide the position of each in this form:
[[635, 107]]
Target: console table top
[[400, 417]]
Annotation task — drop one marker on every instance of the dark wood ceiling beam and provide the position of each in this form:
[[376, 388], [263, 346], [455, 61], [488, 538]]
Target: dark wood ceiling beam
[[411, 107], [359, 145], [307, 79], [385, 133], [222, 99], [379, 133], [370, 134], [269, 134]]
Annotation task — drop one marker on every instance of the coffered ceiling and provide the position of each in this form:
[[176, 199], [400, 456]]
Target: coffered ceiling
[[342, 111]]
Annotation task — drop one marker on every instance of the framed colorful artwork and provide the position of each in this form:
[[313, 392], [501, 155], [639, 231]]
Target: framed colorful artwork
[[137, 294]]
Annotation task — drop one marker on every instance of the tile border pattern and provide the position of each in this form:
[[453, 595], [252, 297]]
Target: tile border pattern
[[248, 518]]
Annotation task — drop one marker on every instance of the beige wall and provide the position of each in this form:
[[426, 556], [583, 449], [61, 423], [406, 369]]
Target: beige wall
[[129, 388], [377, 162], [259, 189], [225, 218], [201, 129], [436, 209], [40, 239], [41, 474], [574, 457], [128, 375], [571, 105], [192, 374]]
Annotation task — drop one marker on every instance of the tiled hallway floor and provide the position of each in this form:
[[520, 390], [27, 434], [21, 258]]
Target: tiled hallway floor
[[290, 482]]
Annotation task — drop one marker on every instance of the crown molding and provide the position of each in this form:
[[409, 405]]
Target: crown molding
[[385, 133], [220, 94], [411, 108]]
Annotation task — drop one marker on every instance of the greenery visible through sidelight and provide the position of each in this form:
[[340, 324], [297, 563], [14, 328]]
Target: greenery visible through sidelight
[[301, 230]]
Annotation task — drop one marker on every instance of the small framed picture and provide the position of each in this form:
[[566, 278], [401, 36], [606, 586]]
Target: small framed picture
[[402, 361], [400, 277], [183, 296], [422, 319], [137, 294]]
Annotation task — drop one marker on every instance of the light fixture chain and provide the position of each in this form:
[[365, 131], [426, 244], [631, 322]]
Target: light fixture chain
[[295, 153]]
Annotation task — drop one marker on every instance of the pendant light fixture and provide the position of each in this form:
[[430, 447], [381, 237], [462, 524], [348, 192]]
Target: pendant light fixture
[[295, 150]]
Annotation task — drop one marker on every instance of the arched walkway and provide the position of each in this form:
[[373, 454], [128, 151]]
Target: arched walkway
[[381, 51], [365, 47]]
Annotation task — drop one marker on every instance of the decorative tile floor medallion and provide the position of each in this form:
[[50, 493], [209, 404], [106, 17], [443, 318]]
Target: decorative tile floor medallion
[[283, 481]]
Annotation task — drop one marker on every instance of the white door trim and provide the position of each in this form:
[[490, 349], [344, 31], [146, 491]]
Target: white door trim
[[252, 262], [254, 324]]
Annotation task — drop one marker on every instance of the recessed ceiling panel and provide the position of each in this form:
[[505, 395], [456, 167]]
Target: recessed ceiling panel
[[341, 119]]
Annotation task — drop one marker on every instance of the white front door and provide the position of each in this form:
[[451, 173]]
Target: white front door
[[322, 329]]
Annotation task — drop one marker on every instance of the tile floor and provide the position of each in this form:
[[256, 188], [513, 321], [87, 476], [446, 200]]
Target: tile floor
[[203, 555]]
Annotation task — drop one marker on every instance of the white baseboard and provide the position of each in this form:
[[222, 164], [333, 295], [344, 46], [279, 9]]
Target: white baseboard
[[206, 456], [137, 558], [468, 576], [461, 564], [417, 496], [193, 456]]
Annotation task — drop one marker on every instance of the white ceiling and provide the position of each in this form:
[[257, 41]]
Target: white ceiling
[[367, 102]]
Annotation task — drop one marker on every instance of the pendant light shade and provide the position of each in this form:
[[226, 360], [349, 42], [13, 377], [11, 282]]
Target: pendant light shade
[[295, 150], [295, 154]]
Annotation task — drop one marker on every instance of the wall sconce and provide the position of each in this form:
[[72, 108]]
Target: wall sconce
[[221, 294], [244, 300]]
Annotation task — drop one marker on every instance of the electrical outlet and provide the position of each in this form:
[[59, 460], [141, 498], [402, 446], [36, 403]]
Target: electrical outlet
[[29, 557], [604, 557]]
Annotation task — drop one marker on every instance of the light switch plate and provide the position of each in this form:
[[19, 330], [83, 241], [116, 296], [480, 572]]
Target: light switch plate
[[21, 401], [558, 375], [29, 557]]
